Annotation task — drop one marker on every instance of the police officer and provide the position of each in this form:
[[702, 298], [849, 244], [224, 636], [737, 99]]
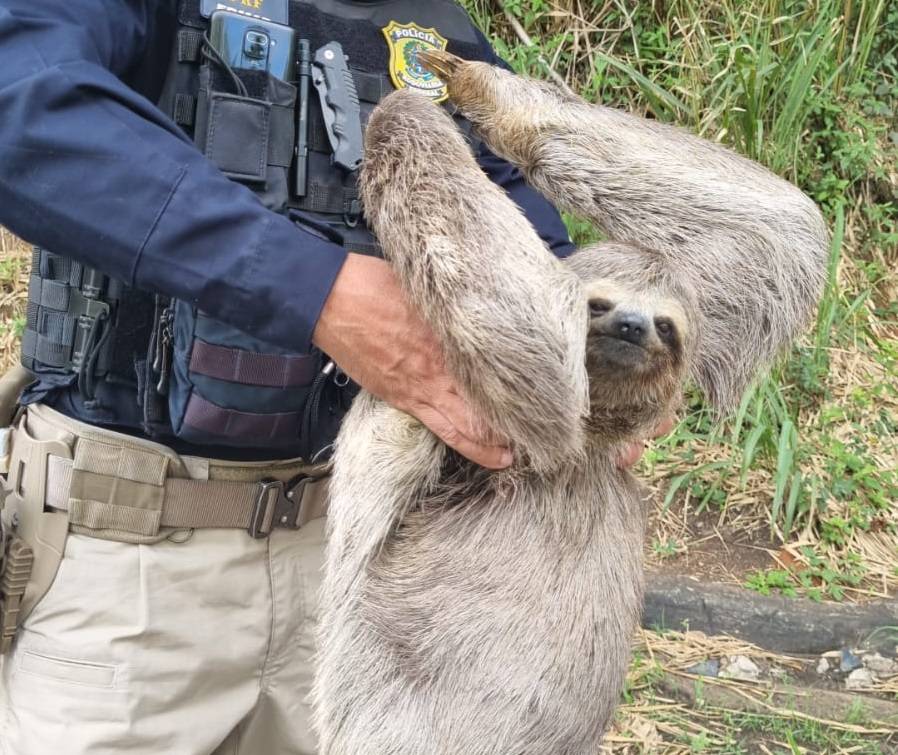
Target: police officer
[[190, 301]]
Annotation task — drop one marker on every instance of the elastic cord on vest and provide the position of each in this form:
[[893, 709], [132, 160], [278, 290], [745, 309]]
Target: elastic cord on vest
[[210, 52]]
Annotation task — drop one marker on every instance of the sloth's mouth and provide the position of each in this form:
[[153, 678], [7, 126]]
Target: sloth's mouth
[[621, 355]]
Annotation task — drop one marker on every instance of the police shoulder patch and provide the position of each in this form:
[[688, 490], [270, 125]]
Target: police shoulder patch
[[405, 42]]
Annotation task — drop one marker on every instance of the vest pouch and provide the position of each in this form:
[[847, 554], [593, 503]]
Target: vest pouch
[[229, 389], [251, 134]]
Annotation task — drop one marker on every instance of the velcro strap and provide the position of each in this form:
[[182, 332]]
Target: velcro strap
[[190, 43], [250, 368], [50, 341], [328, 199], [237, 135], [185, 109], [359, 247], [264, 429], [42, 350], [318, 138], [372, 87], [283, 136]]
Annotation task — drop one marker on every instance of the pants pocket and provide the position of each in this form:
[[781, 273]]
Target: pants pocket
[[66, 670]]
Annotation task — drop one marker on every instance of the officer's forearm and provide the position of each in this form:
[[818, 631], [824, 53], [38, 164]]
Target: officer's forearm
[[380, 341]]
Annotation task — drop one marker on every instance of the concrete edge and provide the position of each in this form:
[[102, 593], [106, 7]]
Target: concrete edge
[[779, 624]]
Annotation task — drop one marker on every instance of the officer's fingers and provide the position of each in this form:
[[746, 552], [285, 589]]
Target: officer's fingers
[[449, 402], [632, 452], [629, 455], [665, 426], [491, 457]]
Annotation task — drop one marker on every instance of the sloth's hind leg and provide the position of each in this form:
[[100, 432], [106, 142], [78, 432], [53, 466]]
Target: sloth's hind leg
[[384, 464]]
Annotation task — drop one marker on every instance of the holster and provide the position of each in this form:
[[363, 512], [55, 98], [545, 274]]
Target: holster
[[11, 386], [16, 555], [18, 558]]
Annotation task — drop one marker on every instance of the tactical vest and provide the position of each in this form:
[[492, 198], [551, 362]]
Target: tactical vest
[[196, 378]]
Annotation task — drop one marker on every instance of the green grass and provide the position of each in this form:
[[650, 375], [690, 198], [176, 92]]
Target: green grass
[[809, 89], [652, 720], [798, 735]]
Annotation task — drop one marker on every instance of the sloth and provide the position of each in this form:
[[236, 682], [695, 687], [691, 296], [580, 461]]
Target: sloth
[[470, 612]]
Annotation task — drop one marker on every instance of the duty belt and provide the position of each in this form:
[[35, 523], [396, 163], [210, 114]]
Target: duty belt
[[257, 507], [110, 483]]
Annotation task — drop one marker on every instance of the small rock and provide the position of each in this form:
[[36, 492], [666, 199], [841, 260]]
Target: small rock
[[849, 661], [861, 678], [880, 665], [705, 668], [742, 669], [823, 666]]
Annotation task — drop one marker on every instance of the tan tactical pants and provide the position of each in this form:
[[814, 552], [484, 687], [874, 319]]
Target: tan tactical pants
[[195, 645]]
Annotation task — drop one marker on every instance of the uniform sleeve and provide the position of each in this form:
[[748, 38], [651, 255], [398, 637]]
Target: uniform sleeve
[[541, 214], [94, 171]]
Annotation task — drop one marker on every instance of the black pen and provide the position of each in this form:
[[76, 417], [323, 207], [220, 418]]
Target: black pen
[[304, 56]]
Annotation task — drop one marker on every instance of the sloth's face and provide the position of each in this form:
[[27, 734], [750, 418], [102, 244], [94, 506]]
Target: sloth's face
[[642, 337], [634, 335]]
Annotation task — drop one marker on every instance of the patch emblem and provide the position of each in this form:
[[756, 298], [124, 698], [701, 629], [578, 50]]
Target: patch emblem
[[405, 42]]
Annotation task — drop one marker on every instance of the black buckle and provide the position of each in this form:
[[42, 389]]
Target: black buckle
[[352, 211], [279, 505], [89, 312]]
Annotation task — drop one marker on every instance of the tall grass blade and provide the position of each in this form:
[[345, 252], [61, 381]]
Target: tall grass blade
[[785, 459], [661, 100]]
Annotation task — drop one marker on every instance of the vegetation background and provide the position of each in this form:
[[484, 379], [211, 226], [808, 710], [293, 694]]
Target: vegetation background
[[804, 478], [808, 89]]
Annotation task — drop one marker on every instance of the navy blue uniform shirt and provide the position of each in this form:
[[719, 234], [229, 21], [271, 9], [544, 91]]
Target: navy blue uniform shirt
[[91, 169]]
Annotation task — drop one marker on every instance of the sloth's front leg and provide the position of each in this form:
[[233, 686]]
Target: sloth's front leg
[[750, 244], [510, 318]]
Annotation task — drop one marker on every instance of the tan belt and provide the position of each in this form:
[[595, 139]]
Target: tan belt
[[110, 482]]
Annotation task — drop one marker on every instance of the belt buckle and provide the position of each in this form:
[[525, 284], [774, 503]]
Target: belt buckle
[[279, 505]]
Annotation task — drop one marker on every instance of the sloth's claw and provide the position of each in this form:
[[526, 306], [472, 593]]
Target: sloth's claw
[[443, 64]]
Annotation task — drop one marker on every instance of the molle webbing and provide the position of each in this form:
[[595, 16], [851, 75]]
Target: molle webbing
[[122, 488], [63, 306], [73, 322], [225, 387], [330, 199], [190, 45]]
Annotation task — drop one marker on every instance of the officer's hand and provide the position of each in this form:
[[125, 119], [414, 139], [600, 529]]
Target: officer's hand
[[369, 329], [632, 452]]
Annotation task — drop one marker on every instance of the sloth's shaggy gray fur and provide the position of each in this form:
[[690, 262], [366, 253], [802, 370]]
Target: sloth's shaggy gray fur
[[474, 613], [750, 244]]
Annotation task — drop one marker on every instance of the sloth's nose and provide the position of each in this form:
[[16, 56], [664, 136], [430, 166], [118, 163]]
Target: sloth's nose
[[631, 327]]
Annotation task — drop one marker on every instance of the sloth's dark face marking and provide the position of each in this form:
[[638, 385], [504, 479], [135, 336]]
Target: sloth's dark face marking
[[634, 335]]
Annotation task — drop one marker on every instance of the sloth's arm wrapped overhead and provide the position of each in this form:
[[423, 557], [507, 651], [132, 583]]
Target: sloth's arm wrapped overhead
[[510, 317], [753, 246]]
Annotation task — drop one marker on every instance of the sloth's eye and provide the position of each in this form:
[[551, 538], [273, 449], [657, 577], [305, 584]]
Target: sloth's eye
[[599, 307], [664, 326]]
